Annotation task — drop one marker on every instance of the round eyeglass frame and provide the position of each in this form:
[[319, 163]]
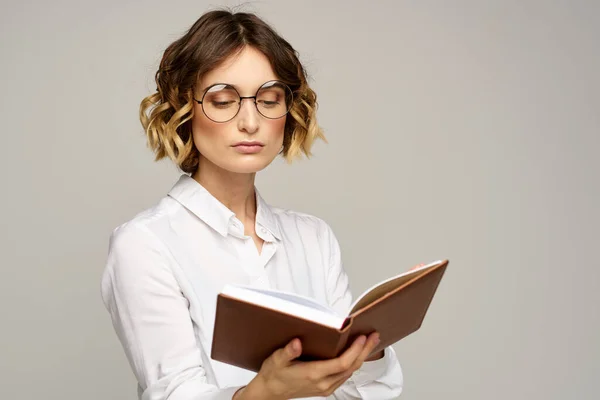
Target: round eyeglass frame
[[246, 97]]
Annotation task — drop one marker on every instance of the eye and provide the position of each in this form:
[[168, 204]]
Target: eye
[[222, 104], [270, 97], [268, 103]]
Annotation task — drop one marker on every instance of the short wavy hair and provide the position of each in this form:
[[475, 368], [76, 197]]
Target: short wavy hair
[[166, 115]]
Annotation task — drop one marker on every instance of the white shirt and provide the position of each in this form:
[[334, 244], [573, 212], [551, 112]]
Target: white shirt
[[167, 265]]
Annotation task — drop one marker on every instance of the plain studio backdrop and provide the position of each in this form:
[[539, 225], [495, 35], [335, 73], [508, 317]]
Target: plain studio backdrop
[[466, 130]]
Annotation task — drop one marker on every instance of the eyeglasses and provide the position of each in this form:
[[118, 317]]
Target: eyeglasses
[[221, 102]]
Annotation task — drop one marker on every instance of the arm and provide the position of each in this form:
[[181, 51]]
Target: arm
[[150, 316], [381, 378]]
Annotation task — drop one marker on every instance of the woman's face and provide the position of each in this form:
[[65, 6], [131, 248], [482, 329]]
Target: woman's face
[[222, 144]]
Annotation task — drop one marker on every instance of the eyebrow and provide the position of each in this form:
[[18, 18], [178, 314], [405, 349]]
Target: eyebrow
[[217, 83], [231, 85]]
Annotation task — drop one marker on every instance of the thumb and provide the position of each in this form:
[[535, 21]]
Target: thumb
[[284, 355], [293, 349]]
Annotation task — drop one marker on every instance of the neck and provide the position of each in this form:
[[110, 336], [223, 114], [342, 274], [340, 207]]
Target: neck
[[234, 190]]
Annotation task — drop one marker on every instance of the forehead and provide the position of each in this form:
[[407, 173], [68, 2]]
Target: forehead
[[247, 71]]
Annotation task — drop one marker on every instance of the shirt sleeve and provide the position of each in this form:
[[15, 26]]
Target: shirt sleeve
[[380, 379], [151, 318]]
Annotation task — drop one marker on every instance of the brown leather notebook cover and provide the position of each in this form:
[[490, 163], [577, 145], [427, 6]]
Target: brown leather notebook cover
[[246, 334]]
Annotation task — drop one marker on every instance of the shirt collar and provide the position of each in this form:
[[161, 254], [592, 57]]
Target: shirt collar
[[265, 216], [193, 196]]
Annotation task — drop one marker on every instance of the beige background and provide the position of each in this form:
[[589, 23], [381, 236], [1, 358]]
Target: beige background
[[466, 130]]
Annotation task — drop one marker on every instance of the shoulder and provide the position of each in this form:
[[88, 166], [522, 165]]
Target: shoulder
[[136, 256], [138, 262], [136, 242], [143, 227]]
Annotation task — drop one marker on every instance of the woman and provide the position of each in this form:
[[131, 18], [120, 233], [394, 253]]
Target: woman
[[231, 96]]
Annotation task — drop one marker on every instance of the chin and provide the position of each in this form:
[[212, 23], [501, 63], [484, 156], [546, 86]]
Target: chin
[[248, 166]]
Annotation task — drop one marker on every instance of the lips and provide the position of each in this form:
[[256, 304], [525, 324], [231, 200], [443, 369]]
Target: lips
[[248, 144], [248, 147]]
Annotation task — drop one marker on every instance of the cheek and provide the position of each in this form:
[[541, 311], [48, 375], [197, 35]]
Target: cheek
[[276, 128], [205, 132]]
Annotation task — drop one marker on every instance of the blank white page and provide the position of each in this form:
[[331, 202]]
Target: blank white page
[[288, 303]]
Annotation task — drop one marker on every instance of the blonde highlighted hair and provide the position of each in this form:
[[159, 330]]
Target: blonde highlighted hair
[[166, 115]]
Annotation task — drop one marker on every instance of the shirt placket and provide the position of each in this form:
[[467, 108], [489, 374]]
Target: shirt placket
[[250, 261], [267, 252]]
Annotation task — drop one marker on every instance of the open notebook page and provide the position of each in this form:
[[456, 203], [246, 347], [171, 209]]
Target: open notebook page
[[288, 303], [382, 288]]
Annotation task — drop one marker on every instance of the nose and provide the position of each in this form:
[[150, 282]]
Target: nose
[[248, 118]]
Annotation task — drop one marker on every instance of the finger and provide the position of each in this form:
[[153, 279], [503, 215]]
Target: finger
[[344, 361], [372, 342], [332, 382], [416, 266], [288, 353]]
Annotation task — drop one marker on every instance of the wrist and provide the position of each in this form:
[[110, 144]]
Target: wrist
[[256, 390], [238, 394]]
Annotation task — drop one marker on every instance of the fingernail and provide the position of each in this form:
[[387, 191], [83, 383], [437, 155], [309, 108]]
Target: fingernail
[[377, 338], [362, 339]]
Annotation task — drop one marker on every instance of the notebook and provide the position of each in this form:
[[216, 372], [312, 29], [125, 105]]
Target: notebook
[[251, 323]]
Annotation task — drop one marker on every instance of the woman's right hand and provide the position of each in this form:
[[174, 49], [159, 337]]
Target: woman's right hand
[[280, 377]]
